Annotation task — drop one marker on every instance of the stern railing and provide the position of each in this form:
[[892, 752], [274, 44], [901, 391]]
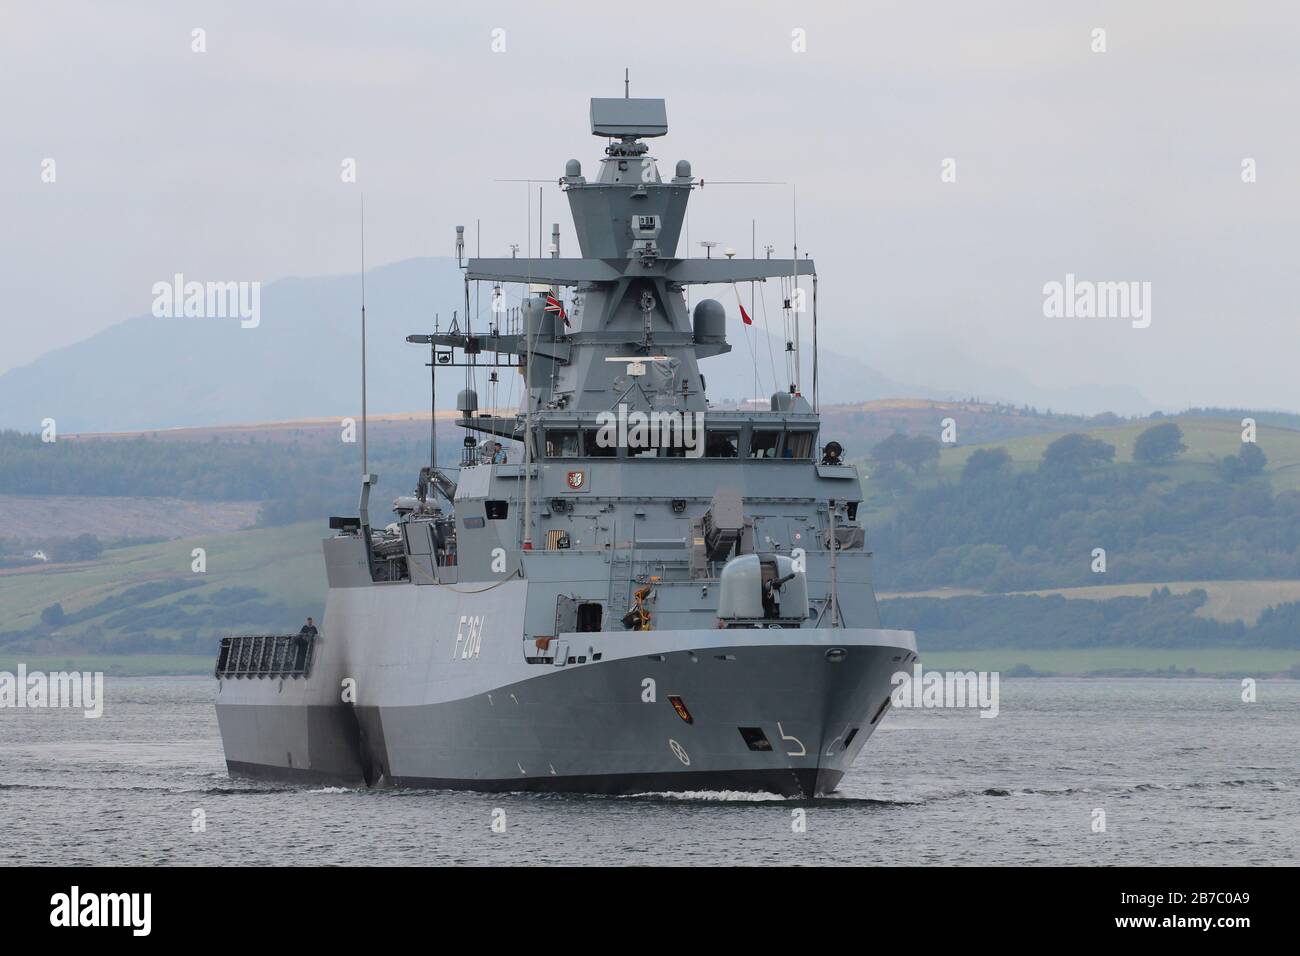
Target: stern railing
[[265, 655]]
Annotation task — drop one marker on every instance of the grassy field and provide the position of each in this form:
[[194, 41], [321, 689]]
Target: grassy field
[[285, 563], [1087, 661], [1208, 441], [42, 517], [1227, 600]]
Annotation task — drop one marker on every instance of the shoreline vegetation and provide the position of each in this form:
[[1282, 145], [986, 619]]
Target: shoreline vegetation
[[1029, 554]]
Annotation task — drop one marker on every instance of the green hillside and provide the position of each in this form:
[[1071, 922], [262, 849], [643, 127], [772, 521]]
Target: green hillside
[[998, 562], [1225, 601], [262, 578], [1002, 544], [1208, 441], [1028, 524]]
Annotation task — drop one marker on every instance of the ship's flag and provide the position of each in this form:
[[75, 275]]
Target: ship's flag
[[744, 316], [555, 305]]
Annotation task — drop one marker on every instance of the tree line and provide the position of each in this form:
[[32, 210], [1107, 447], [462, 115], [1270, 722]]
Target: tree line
[[1051, 621], [999, 530]]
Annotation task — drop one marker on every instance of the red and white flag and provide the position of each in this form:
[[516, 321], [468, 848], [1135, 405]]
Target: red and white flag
[[744, 316], [555, 305]]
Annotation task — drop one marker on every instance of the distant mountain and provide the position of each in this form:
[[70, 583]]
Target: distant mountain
[[302, 361], [840, 379], [1069, 399]]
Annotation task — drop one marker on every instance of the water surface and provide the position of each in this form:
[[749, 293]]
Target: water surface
[[1185, 772]]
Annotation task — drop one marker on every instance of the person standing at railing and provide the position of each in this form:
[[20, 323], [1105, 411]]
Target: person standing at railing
[[301, 641]]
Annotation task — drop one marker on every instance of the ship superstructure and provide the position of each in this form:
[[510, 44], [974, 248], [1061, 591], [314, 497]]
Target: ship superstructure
[[647, 594]]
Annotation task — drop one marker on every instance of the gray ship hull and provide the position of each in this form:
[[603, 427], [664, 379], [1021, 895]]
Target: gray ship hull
[[775, 710]]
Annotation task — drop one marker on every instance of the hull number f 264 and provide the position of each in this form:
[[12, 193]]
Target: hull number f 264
[[469, 637]]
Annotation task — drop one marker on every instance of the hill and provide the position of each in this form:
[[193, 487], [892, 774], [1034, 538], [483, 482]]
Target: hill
[[38, 519], [177, 481], [1225, 601], [1025, 527], [301, 361], [146, 598], [1013, 549], [1208, 441]]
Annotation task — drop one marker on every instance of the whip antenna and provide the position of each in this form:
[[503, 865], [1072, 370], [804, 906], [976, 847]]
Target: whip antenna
[[367, 479]]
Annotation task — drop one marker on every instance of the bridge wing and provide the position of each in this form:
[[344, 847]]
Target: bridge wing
[[684, 271], [697, 271], [548, 271]]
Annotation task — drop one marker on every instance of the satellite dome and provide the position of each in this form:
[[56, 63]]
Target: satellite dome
[[683, 169], [573, 169], [710, 320]]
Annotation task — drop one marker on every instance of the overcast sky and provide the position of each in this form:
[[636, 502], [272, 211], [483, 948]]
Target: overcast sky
[[1117, 166]]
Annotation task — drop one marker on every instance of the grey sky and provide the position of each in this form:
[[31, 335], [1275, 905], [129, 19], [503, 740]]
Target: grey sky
[[1124, 165]]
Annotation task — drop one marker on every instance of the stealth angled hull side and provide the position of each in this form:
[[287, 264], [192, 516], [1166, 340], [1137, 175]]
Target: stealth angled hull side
[[426, 717]]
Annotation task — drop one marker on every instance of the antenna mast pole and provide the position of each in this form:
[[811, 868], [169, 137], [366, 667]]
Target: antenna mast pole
[[365, 459], [367, 479], [794, 292], [835, 547], [816, 401], [528, 380], [433, 401], [753, 254]]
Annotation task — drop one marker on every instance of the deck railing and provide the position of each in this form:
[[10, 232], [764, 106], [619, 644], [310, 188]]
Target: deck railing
[[264, 655]]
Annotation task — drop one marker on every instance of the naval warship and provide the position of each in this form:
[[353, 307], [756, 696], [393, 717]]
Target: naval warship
[[639, 592]]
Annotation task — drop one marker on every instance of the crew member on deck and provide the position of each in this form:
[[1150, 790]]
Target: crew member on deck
[[301, 641], [498, 454]]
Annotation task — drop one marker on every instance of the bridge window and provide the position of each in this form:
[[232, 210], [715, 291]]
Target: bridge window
[[722, 444], [592, 448], [799, 444], [562, 443], [764, 444]]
